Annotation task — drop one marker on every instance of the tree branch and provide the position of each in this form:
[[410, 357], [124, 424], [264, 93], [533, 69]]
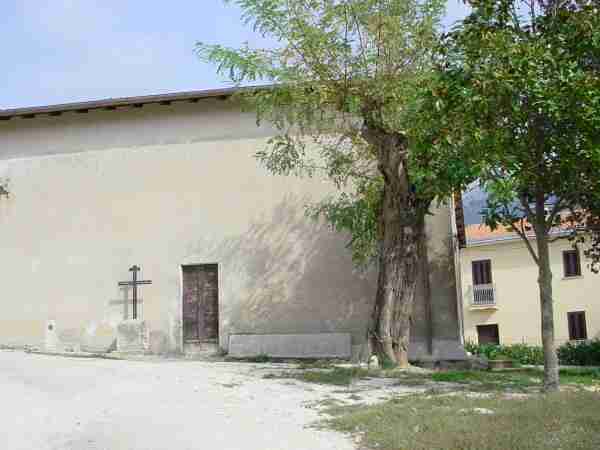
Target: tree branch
[[558, 206], [523, 234], [558, 238]]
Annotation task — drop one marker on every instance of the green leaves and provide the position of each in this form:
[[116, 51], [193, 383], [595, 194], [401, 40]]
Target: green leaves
[[337, 64], [240, 65], [515, 105], [356, 213]]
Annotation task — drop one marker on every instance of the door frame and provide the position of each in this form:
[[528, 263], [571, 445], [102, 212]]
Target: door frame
[[219, 271]]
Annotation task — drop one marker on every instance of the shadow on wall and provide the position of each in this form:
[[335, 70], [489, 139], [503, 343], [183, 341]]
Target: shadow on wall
[[443, 291], [289, 274]]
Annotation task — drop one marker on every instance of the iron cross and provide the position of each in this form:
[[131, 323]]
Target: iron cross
[[134, 283]]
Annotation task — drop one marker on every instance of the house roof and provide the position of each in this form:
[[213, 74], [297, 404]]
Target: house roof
[[114, 103], [480, 234]]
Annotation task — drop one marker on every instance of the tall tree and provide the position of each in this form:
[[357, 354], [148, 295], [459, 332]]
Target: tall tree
[[341, 77], [517, 103]]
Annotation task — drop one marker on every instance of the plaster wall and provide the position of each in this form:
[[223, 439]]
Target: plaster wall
[[165, 186], [515, 278]]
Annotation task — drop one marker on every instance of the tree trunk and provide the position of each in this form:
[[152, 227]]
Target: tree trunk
[[402, 225], [551, 380], [547, 314]]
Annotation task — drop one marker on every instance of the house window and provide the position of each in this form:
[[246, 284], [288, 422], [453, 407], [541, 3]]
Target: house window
[[577, 326], [488, 334], [482, 272], [571, 263]]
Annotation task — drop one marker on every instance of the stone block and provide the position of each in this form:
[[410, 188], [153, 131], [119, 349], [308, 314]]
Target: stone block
[[200, 349], [158, 343], [132, 336], [443, 350], [70, 339], [322, 345], [98, 338]]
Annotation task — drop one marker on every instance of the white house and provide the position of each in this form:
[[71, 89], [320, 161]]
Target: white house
[[500, 292], [166, 188]]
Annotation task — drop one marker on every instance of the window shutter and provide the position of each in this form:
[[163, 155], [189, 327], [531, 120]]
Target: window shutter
[[566, 264], [582, 325], [577, 325], [482, 272], [571, 263], [572, 331]]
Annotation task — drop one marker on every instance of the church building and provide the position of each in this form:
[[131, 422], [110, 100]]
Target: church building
[[146, 224]]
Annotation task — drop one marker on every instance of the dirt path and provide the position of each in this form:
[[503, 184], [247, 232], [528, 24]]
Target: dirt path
[[60, 403]]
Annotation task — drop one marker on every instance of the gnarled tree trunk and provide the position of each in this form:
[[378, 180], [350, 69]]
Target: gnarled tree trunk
[[403, 227]]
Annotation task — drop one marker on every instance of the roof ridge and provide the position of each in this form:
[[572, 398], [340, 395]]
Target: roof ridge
[[114, 103]]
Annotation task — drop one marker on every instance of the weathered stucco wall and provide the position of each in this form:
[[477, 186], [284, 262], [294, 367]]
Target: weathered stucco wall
[[514, 275], [162, 187]]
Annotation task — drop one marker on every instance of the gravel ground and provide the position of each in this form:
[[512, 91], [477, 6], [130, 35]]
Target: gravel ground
[[59, 403]]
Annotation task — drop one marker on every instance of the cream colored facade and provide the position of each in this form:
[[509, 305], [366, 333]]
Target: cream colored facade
[[517, 306], [164, 186]]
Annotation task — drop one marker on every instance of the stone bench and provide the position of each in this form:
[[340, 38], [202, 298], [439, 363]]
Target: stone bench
[[322, 345]]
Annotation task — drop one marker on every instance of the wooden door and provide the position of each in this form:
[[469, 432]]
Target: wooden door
[[200, 303]]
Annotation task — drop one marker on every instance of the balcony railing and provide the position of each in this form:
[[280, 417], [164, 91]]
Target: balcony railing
[[484, 295]]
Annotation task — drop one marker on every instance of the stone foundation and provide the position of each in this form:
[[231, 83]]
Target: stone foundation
[[443, 350], [100, 338], [200, 349], [133, 337], [322, 345]]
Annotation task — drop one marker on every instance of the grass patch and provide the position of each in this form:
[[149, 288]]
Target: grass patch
[[568, 420], [492, 381], [580, 376], [521, 379], [261, 358], [338, 376], [316, 364], [326, 404], [408, 379]]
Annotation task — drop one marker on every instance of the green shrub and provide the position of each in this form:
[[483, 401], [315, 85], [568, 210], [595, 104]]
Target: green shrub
[[586, 353], [386, 363], [520, 353], [260, 358], [472, 347]]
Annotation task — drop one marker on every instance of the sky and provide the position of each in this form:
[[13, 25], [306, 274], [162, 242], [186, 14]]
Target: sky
[[58, 51]]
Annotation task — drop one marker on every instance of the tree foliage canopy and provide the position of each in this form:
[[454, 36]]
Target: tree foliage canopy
[[517, 105], [339, 64]]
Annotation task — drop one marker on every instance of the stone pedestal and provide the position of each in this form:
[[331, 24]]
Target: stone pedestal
[[52, 341], [133, 336]]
